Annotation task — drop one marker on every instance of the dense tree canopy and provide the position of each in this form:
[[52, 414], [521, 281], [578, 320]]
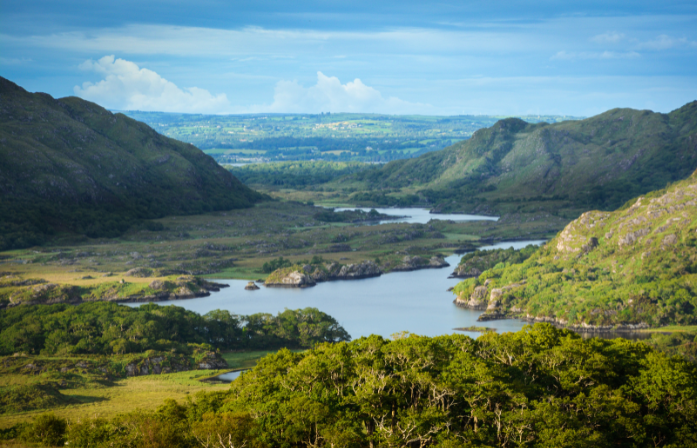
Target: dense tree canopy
[[540, 387], [104, 328]]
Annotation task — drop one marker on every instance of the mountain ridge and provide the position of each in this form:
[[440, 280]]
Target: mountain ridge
[[70, 165], [598, 162]]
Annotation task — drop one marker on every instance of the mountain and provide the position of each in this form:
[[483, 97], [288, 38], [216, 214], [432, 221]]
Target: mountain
[[599, 162], [71, 165], [634, 266]]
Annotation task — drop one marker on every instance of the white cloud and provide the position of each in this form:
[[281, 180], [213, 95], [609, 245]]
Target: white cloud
[[665, 42], [329, 95], [568, 56], [128, 87], [611, 37]]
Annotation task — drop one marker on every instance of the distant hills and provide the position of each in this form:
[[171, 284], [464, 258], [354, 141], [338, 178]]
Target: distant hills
[[599, 162], [71, 165], [636, 266], [328, 137]]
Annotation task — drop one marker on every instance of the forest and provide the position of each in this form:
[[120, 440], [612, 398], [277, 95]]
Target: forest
[[540, 387], [104, 328]]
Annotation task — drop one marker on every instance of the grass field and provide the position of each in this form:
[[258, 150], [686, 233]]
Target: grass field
[[107, 399], [144, 392]]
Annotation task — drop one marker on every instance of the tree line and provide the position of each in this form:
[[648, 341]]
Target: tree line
[[108, 328]]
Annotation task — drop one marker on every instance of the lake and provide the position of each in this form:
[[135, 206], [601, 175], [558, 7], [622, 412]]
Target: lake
[[421, 215], [416, 301]]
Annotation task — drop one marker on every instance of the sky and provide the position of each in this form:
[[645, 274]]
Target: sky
[[576, 58]]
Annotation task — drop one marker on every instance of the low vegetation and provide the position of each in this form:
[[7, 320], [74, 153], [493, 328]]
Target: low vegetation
[[636, 266]]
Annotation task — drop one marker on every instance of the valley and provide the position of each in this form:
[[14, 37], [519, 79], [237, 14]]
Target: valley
[[135, 269]]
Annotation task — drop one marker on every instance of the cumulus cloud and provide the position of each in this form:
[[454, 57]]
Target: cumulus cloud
[[328, 94], [128, 87]]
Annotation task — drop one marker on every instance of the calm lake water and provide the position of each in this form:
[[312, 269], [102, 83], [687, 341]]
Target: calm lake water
[[421, 215], [416, 301]]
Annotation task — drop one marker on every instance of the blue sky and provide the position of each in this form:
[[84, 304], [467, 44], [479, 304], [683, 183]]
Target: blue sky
[[508, 57]]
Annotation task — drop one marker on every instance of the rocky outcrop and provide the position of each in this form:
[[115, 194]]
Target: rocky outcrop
[[365, 269], [290, 278], [305, 276], [251, 286], [416, 262], [464, 271], [476, 301], [482, 298]]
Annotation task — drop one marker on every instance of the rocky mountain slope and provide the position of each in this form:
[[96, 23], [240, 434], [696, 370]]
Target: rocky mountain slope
[[634, 267], [599, 162], [70, 165]]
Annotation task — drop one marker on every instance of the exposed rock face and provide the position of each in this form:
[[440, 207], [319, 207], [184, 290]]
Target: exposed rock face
[[461, 271], [482, 299], [416, 262], [365, 269], [293, 279], [571, 239], [251, 286], [302, 277], [477, 300]]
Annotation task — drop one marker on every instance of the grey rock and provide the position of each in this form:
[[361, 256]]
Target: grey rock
[[251, 286], [295, 279]]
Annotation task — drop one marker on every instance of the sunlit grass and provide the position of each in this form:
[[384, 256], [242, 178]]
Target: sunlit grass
[[143, 392]]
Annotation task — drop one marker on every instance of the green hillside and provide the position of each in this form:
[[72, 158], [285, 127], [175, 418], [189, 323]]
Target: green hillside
[[599, 162], [634, 266], [70, 165]]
